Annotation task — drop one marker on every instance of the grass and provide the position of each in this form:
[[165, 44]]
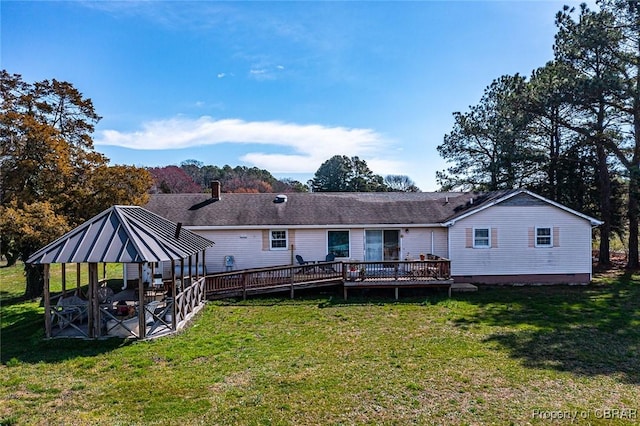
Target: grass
[[498, 356]]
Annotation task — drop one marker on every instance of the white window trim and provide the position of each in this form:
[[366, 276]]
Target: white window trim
[[473, 237], [271, 240], [535, 237]]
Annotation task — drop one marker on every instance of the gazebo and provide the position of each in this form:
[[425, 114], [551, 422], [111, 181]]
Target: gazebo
[[132, 236]]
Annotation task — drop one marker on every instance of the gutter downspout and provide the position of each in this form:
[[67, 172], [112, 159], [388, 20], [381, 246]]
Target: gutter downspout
[[124, 276], [432, 245]]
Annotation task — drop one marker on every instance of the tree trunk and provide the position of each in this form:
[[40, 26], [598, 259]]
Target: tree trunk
[[35, 281], [632, 214], [604, 181]]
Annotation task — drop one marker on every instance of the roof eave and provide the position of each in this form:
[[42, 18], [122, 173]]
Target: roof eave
[[593, 221], [327, 226]]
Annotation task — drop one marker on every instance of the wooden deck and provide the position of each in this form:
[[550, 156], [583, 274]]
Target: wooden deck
[[433, 273]]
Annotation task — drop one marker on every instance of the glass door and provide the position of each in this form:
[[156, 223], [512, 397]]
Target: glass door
[[391, 245], [373, 247], [382, 245]]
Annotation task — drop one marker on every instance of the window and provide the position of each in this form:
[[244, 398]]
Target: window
[[338, 243], [544, 237], [481, 238], [278, 240]]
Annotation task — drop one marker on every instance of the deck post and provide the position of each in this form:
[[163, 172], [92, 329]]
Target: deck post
[[244, 286], [292, 280], [396, 293], [345, 292], [47, 302]]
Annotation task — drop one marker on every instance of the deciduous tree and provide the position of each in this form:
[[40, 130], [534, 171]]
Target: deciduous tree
[[400, 183], [51, 177]]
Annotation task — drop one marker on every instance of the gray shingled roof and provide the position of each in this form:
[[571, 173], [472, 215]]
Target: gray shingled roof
[[320, 208], [127, 234]]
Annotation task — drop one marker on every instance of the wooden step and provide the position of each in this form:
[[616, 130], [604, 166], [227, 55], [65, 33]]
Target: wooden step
[[463, 287]]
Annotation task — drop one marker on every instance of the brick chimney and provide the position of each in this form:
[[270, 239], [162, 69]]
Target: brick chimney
[[216, 189]]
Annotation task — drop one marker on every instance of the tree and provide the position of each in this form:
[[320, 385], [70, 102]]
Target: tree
[[172, 180], [488, 145], [51, 177], [343, 174], [239, 178], [28, 228], [585, 49], [626, 19], [400, 183], [290, 185]]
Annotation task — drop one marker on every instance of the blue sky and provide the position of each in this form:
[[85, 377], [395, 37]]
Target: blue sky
[[278, 85]]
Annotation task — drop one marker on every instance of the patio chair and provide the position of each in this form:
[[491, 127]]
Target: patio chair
[[105, 295], [328, 268], [69, 310], [303, 262]]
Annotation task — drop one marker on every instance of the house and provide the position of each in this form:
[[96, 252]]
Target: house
[[512, 236]]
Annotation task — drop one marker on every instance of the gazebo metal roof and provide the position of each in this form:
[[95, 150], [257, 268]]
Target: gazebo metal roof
[[122, 234]]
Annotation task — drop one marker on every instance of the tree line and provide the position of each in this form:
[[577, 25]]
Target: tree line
[[570, 131], [340, 173]]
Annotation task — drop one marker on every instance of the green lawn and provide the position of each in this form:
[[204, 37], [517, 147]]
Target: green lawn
[[499, 356]]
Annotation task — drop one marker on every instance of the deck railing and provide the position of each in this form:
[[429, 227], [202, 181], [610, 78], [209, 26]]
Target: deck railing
[[292, 276], [407, 270], [188, 300], [254, 280]]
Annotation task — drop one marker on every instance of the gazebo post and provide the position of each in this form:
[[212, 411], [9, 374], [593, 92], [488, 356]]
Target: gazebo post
[[173, 295], [78, 271], [47, 302], [64, 280], [204, 292], [197, 263], [181, 287], [94, 308], [141, 311]]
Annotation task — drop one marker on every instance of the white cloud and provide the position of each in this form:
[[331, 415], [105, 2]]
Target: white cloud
[[293, 148]]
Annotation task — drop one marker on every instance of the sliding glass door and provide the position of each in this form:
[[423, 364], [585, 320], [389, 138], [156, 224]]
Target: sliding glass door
[[382, 245]]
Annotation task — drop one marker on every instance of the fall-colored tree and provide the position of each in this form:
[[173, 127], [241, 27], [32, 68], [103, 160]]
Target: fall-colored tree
[[239, 178], [51, 177], [172, 180], [27, 227]]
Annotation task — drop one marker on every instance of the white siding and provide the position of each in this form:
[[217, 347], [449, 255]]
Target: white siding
[[511, 253], [421, 240], [247, 247]]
